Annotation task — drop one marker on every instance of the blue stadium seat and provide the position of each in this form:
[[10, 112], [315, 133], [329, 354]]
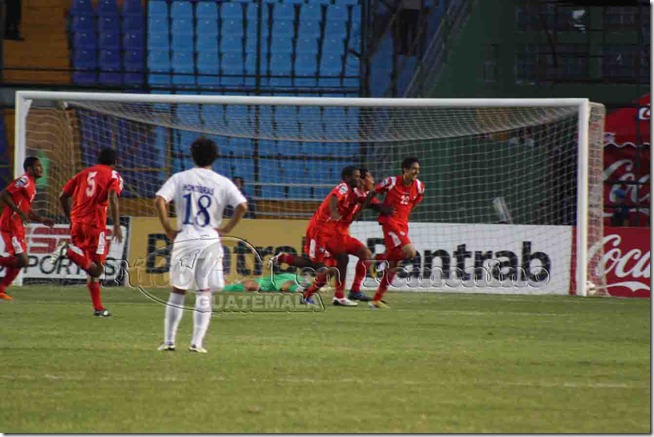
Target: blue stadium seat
[[83, 23], [208, 62], [231, 44], [207, 10], [310, 12], [182, 25], [231, 27], [283, 28], [283, 11], [110, 64], [133, 62], [287, 121], [270, 171], [85, 40], [356, 14], [306, 66], [107, 8], [157, 8], [330, 65], [132, 7], [334, 46], [241, 146], [265, 118], [133, 23], [182, 41], [233, 11], [280, 65], [181, 9], [232, 69], [206, 27], [159, 41], [244, 168], [297, 172], [109, 40], [133, 40], [85, 61], [158, 24], [81, 8], [281, 43], [309, 29], [206, 42], [183, 65], [252, 18], [109, 23], [337, 12], [335, 29], [268, 148], [159, 61], [307, 45]]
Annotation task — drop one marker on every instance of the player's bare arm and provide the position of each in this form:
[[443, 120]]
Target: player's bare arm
[[115, 216], [38, 219], [365, 204], [333, 208], [239, 212], [5, 197], [162, 212], [65, 202]]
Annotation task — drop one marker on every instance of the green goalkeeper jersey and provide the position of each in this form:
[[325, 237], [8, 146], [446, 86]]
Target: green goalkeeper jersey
[[268, 284]]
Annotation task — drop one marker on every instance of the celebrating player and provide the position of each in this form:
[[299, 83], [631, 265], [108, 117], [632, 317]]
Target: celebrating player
[[402, 194], [91, 190], [17, 199], [200, 196]]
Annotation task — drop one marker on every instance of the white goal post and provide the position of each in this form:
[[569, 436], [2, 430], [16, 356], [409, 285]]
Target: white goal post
[[537, 146]]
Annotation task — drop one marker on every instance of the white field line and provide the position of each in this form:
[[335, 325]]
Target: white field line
[[305, 380]]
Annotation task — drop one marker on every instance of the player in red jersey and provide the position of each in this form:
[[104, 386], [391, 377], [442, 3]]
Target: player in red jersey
[[402, 193], [17, 198], [91, 190]]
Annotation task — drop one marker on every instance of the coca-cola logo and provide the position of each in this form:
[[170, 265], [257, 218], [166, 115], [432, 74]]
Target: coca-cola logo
[[622, 171], [623, 269]]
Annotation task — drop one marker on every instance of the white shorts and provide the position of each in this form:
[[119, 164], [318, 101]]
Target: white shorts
[[197, 265]]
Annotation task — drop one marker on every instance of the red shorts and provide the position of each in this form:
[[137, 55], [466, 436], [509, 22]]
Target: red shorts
[[15, 242], [396, 236], [321, 246], [91, 240]]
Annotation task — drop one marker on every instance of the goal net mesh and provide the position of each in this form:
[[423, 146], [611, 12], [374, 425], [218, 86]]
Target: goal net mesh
[[481, 166]]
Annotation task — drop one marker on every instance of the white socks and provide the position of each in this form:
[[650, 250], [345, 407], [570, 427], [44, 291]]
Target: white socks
[[201, 316], [174, 312]]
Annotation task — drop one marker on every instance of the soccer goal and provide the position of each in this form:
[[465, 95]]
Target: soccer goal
[[513, 200]]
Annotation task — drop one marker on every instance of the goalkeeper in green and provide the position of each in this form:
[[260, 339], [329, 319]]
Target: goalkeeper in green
[[283, 282]]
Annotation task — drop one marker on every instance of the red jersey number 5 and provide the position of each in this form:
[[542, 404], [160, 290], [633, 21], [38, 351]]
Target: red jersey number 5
[[90, 180]]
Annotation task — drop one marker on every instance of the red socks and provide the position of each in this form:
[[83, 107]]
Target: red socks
[[318, 283], [361, 269], [387, 280], [10, 275], [287, 258], [94, 289]]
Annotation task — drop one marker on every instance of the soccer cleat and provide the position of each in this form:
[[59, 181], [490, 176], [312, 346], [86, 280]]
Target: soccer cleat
[[198, 349], [343, 302], [358, 295], [308, 301], [101, 313], [378, 305], [166, 347], [5, 296], [59, 253]]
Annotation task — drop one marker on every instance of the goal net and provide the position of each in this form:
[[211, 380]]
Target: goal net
[[513, 187]]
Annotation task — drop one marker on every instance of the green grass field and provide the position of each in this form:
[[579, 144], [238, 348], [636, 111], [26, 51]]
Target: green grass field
[[436, 363]]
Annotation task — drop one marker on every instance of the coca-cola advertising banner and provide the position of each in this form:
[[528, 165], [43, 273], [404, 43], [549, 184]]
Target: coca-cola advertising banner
[[626, 261], [627, 159]]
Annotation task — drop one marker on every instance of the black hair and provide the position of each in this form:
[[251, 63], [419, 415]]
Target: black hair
[[29, 162], [107, 156], [409, 161], [238, 178], [348, 171], [204, 151], [363, 171]]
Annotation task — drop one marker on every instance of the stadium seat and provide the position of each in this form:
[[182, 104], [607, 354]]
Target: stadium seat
[[85, 62], [107, 8], [206, 27], [133, 40], [283, 28], [159, 61], [183, 65], [231, 44], [182, 25], [297, 172], [356, 14], [311, 12], [334, 46], [232, 69], [206, 42], [85, 40], [232, 11], [181, 9], [208, 62], [132, 7], [242, 147], [307, 45], [283, 11], [281, 44], [83, 23], [158, 24], [133, 63], [109, 23], [330, 65], [109, 40], [110, 64], [335, 29], [244, 168], [159, 41], [231, 27], [309, 29], [207, 10], [182, 41], [81, 8], [157, 8], [270, 172], [280, 66], [133, 23], [305, 69], [268, 148], [337, 13]]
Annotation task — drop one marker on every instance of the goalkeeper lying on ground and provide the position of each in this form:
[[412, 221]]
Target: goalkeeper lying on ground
[[285, 282]]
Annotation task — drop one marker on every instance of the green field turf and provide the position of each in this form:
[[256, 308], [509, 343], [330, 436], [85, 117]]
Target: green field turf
[[436, 363]]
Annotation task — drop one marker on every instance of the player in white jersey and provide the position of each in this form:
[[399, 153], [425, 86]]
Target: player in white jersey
[[200, 196]]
